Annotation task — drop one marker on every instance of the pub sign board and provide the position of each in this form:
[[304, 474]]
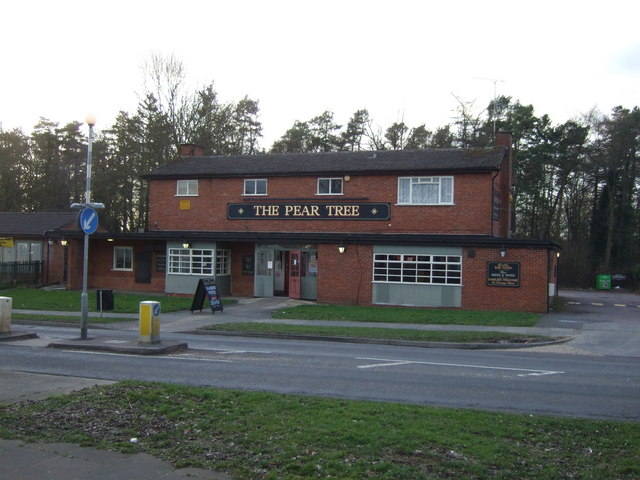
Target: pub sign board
[[308, 211], [503, 274]]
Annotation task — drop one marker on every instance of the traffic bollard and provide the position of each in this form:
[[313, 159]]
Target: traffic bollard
[[149, 331], [5, 314]]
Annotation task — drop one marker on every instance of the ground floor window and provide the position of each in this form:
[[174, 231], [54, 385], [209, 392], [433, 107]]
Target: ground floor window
[[122, 258], [416, 268], [223, 262], [28, 252], [191, 261]]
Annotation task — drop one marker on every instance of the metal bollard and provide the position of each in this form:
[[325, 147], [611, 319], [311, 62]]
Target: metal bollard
[[149, 331], [5, 314]]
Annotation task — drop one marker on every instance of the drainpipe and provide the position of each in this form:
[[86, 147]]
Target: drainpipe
[[493, 189], [47, 263]]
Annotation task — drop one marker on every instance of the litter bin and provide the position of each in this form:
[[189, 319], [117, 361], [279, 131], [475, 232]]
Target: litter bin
[[603, 281], [105, 300]]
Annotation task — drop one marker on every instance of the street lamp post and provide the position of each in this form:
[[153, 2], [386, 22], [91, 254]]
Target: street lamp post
[[84, 298]]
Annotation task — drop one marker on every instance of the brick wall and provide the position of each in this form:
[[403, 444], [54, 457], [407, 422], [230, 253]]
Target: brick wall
[[471, 214], [54, 263], [241, 284], [530, 296], [74, 266], [101, 274], [345, 278]]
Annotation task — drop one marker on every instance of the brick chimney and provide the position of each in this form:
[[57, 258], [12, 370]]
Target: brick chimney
[[191, 150], [505, 185]]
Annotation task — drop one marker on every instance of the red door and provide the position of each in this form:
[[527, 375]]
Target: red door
[[294, 274]]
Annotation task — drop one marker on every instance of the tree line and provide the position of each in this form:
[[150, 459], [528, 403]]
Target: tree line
[[575, 183]]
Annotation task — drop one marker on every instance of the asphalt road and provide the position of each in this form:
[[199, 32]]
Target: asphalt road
[[587, 377], [510, 381]]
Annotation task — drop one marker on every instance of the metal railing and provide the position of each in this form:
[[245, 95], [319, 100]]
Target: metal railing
[[14, 273]]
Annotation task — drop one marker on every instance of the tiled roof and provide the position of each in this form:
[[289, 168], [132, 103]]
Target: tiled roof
[[35, 224], [334, 163]]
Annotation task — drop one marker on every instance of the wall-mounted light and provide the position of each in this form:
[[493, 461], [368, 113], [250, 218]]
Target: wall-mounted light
[[557, 254], [64, 242], [110, 240], [51, 242], [341, 248], [503, 251], [347, 178], [186, 244]]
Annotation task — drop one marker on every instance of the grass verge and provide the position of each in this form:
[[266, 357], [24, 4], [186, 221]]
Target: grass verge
[[377, 333], [69, 301], [271, 436], [407, 315], [68, 318]]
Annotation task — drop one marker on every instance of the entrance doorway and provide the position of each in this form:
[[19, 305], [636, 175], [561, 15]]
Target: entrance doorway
[[286, 271]]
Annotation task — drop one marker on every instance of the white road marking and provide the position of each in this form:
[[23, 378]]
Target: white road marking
[[386, 362], [374, 365], [241, 351], [538, 374]]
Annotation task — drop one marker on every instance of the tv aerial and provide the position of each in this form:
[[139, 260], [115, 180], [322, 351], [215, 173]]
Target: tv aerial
[[495, 95]]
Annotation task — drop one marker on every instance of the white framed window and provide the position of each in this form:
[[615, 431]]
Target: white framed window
[[255, 186], [330, 186], [425, 191], [191, 261], [123, 258], [187, 188], [223, 262], [412, 268]]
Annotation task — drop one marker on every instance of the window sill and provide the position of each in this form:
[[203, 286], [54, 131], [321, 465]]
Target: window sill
[[425, 204]]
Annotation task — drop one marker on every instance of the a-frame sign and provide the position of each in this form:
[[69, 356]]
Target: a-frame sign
[[207, 288]]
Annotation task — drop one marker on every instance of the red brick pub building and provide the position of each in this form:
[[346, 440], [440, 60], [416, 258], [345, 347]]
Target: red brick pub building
[[427, 228]]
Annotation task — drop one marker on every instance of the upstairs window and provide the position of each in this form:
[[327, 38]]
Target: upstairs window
[[187, 188], [330, 186], [255, 187], [425, 191]]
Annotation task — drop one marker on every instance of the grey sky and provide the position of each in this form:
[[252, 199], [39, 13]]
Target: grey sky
[[400, 60]]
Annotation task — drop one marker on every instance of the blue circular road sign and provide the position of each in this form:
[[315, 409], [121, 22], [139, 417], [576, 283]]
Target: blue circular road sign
[[88, 220]]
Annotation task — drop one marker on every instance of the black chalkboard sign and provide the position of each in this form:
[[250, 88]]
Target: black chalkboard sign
[[207, 288], [247, 265]]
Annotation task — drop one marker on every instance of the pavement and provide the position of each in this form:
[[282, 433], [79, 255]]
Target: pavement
[[586, 328]]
